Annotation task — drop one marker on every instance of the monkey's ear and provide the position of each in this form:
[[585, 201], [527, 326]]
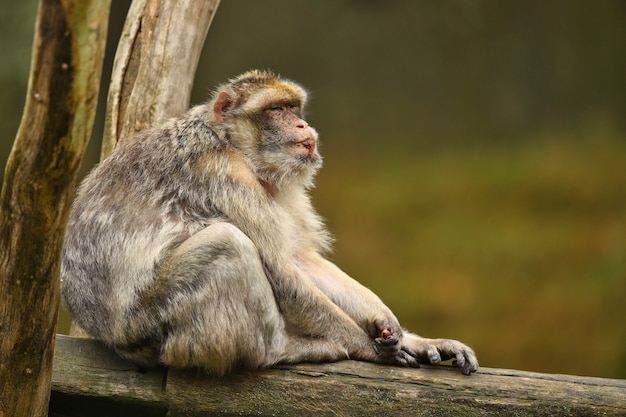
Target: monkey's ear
[[222, 103]]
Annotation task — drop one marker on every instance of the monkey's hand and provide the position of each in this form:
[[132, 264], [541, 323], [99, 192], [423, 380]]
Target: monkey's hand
[[387, 337], [434, 351]]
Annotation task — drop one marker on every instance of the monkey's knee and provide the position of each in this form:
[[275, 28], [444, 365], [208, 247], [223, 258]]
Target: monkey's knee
[[225, 315]]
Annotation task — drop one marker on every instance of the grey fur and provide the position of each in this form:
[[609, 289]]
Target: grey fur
[[195, 244]]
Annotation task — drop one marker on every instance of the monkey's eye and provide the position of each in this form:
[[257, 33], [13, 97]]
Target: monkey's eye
[[295, 109], [276, 107]]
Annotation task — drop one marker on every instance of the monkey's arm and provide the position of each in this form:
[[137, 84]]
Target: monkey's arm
[[360, 303], [372, 314]]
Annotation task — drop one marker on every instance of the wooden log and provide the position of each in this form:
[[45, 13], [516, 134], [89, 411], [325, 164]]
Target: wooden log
[[88, 377]]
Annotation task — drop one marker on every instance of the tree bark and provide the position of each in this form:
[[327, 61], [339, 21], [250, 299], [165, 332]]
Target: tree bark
[[39, 181], [155, 64]]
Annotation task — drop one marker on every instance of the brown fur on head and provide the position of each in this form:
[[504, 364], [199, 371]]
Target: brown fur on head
[[250, 90], [260, 114]]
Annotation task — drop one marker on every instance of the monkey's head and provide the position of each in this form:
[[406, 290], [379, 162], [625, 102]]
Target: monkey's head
[[261, 115]]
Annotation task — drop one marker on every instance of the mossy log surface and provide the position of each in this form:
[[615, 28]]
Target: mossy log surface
[[89, 378]]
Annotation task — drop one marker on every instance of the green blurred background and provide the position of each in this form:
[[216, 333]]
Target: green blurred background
[[475, 157]]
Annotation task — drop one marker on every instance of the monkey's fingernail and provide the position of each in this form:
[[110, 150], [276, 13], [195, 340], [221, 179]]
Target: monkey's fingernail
[[386, 334]]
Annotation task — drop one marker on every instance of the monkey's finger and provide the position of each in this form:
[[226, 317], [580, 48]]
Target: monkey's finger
[[405, 359], [379, 329], [388, 341], [471, 362], [433, 355], [410, 352], [460, 359], [391, 341], [389, 345]]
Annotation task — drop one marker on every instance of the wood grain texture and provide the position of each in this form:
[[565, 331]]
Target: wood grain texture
[[85, 373]]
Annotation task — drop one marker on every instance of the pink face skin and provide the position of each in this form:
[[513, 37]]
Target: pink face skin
[[286, 118]]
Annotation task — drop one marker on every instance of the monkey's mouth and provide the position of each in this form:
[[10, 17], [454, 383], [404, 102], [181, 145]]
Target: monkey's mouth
[[309, 144]]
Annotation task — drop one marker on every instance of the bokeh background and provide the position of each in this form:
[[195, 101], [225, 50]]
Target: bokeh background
[[475, 157]]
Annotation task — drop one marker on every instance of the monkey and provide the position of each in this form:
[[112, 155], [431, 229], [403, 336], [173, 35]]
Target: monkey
[[196, 245]]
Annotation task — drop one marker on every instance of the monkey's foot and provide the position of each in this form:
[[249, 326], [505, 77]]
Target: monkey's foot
[[434, 351]]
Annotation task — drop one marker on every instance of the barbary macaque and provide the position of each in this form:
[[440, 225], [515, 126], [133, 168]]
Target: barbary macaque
[[195, 244]]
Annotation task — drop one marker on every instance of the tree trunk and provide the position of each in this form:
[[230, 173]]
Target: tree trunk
[[39, 181], [155, 64]]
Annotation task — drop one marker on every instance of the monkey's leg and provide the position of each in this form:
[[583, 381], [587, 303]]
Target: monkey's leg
[[216, 310]]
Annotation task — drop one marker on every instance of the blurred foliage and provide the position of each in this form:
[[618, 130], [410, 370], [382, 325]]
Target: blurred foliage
[[518, 249], [474, 152]]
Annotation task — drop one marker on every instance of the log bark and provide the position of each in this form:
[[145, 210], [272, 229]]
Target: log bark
[[155, 64], [88, 376], [39, 181]]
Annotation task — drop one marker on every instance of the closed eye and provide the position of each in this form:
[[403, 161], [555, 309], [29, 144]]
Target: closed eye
[[295, 109], [276, 107]]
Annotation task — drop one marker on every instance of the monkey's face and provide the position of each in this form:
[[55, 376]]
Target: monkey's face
[[287, 147], [284, 134], [266, 124]]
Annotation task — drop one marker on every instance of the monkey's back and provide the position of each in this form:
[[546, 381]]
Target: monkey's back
[[137, 204]]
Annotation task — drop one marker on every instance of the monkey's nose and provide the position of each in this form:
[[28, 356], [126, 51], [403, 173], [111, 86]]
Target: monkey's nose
[[302, 124]]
